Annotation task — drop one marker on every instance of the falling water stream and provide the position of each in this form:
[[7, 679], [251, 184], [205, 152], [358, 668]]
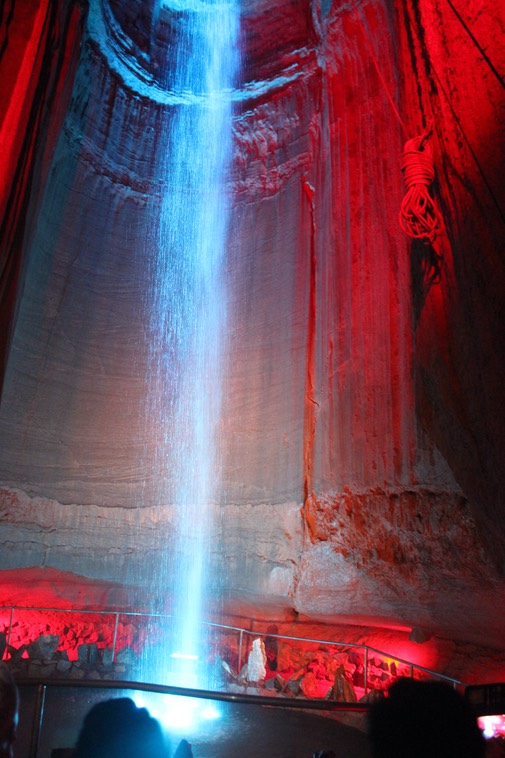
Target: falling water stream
[[188, 310]]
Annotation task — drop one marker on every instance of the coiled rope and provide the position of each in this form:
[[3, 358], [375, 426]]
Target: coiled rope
[[419, 216]]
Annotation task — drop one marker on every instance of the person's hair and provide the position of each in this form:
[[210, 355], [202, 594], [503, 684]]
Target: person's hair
[[423, 720], [9, 706], [116, 728], [183, 750]]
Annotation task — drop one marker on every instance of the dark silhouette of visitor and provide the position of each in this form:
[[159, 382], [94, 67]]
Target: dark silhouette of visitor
[[423, 720], [9, 708], [495, 748], [116, 728], [183, 750]]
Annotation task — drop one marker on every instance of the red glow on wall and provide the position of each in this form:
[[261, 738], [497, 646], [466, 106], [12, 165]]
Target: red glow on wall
[[37, 72]]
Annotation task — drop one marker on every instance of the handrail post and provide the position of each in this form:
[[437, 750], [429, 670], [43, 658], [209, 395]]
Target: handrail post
[[114, 639], [240, 641], [365, 672], [37, 721], [11, 619]]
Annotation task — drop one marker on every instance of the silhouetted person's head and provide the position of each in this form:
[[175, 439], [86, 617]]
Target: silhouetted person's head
[[423, 720], [118, 729], [183, 750], [9, 706]]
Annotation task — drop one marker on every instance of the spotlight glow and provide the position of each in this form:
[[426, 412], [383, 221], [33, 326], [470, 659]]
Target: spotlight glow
[[492, 726], [178, 715], [210, 713], [184, 656]]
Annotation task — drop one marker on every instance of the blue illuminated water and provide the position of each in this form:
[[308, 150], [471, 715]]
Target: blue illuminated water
[[187, 331]]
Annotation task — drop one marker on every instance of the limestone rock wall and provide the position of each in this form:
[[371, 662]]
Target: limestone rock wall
[[39, 54], [457, 55], [345, 372], [407, 554]]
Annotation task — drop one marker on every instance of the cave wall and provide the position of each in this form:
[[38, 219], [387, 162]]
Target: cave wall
[[457, 57], [352, 383], [38, 56]]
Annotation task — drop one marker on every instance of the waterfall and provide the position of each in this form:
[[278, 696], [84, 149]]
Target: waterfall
[[187, 302]]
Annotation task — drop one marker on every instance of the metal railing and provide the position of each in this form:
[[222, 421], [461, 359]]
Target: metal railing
[[240, 646], [228, 697], [242, 634]]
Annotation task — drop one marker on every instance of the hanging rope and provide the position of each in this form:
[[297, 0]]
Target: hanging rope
[[419, 216]]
